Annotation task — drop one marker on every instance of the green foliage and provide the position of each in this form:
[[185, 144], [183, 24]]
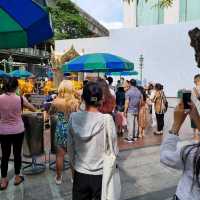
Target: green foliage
[[67, 22], [162, 3], [165, 3]]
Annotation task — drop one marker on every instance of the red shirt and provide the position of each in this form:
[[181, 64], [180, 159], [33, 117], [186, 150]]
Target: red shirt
[[108, 105]]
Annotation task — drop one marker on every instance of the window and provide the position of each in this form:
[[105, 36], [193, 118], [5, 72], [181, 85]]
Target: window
[[189, 10], [148, 13]]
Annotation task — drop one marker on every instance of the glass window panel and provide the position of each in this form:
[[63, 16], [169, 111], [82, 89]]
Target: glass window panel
[[148, 13]]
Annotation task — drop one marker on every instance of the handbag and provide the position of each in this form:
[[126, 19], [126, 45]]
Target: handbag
[[111, 184]]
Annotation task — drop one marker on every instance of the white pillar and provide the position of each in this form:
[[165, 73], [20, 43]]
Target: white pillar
[[171, 14], [129, 9]]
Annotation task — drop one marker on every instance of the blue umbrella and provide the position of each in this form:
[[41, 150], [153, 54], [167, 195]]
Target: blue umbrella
[[124, 73], [4, 74], [20, 74], [23, 23], [98, 62]]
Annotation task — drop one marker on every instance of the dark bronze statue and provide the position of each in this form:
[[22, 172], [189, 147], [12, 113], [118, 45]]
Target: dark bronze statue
[[195, 43]]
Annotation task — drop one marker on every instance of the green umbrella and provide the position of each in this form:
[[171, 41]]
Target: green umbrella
[[125, 73], [23, 23], [98, 62]]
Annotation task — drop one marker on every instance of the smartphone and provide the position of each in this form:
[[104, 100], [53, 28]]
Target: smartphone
[[186, 99]]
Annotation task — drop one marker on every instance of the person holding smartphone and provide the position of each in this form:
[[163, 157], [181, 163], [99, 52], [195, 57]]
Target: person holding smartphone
[[186, 158], [196, 99]]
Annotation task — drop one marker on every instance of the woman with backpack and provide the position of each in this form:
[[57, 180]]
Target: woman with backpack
[[160, 105]]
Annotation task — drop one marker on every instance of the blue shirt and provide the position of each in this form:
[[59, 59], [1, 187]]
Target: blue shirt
[[133, 95]]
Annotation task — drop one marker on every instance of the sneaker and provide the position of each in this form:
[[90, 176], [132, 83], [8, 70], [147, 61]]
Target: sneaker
[[161, 132], [58, 181], [156, 133], [129, 140]]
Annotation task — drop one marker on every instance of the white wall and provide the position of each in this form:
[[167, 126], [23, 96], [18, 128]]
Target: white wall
[[168, 57]]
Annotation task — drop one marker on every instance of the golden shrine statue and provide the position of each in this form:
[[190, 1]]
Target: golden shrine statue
[[48, 87], [26, 86]]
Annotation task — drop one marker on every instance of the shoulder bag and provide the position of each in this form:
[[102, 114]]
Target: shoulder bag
[[111, 184]]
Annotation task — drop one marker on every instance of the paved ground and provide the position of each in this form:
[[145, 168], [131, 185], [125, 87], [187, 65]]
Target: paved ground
[[142, 175], [143, 178]]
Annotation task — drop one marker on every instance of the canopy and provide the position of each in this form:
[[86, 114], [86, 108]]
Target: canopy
[[98, 62], [21, 74], [23, 23], [126, 73], [4, 74]]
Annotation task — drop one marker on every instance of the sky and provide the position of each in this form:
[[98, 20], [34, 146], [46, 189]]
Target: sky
[[107, 12]]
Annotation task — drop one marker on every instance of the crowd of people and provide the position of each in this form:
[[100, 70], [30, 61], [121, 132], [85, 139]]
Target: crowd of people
[[137, 107], [89, 122]]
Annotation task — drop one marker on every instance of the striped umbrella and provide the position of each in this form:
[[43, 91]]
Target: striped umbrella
[[20, 74], [98, 62], [125, 73], [23, 23], [4, 74]]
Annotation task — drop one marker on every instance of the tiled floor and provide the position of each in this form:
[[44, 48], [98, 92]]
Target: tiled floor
[[148, 140], [142, 175]]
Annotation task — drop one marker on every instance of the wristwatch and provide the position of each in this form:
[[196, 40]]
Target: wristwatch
[[173, 133]]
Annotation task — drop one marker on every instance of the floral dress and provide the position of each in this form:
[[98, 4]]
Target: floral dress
[[61, 129]]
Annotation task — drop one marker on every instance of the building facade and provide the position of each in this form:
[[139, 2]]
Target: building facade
[[142, 13], [159, 34]]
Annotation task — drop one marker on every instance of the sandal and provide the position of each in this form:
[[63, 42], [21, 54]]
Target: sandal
[[5, 187], [21, 181]]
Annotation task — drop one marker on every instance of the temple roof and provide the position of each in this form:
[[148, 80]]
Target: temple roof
[[68, 55]]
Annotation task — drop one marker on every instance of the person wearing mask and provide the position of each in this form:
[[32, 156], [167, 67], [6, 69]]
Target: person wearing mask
[[109, 101], [196, 99], [131, 111], [86, 131], [185, 159], [61, 108], [11, 129], [160, 105]]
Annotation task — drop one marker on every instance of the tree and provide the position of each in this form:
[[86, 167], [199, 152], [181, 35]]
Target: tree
[[67, 22], [162, 3]]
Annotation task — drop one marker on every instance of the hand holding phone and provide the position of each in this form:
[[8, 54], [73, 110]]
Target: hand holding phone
[[187, 100]]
